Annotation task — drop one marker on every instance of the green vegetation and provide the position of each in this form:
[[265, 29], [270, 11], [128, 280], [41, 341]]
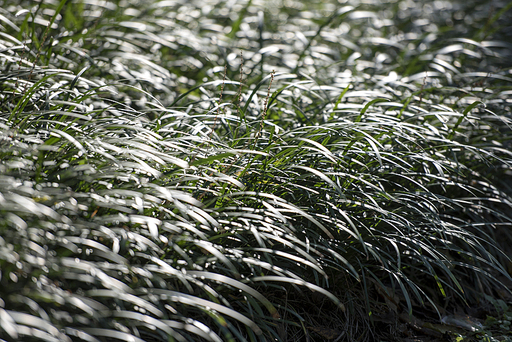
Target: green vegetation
[[254, 170]]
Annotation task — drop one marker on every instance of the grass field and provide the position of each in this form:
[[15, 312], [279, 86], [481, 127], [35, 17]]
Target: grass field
[[255, 170]]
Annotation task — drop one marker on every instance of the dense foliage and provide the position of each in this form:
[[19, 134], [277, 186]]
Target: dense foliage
[[250, 170]]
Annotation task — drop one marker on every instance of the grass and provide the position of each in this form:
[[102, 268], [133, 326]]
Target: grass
[[230, 171]]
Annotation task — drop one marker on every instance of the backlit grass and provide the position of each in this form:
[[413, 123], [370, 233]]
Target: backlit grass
[[230, 171]]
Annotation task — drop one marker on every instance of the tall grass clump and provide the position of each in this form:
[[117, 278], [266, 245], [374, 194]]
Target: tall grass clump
[[232, 171]]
